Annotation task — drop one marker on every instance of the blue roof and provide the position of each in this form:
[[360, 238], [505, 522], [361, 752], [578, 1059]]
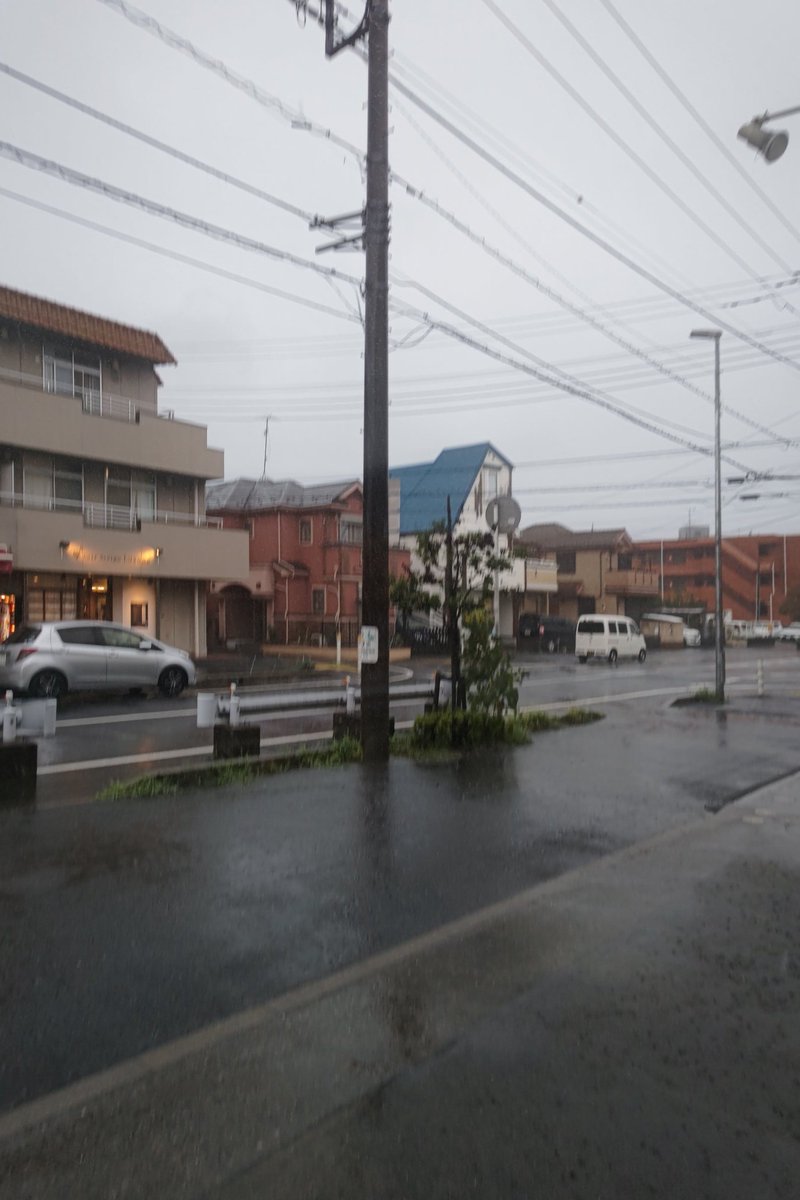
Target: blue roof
[[424, 487]]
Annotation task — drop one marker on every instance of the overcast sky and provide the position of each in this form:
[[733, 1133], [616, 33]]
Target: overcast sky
[[719, 229]]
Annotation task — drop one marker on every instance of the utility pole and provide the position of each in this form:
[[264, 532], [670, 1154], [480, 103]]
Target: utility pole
[[375, 557], [375, 549]]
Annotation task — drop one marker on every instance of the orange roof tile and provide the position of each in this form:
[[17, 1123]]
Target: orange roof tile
[[84, 327]]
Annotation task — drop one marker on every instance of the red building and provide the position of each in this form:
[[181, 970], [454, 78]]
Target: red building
[[757, 572], [305, 574]]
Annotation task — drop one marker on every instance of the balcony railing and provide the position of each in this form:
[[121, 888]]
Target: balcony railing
[[632, 583], [109, 516], [95, 404]]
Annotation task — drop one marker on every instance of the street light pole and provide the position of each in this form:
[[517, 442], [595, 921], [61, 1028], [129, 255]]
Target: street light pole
[[719, 638]]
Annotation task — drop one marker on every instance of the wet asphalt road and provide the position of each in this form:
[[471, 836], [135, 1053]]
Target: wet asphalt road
[[99, 739], [123, 926]]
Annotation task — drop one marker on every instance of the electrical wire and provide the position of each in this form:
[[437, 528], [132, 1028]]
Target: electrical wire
[[697, 116], [148, 23], [619, 141], [163, 147], [660, 132], [175, 255]]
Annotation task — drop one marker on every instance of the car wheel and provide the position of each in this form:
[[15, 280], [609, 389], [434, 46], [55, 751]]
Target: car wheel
[[172, 681], [642, 655], [551, 646], [48, 685], [612, 656], [581, 658]]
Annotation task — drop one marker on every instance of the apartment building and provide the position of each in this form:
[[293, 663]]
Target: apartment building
[[102, 497], [758, 570], [305, 572]]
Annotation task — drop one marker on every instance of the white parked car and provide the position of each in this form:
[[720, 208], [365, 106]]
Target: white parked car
[[50, 658], [790, 633]]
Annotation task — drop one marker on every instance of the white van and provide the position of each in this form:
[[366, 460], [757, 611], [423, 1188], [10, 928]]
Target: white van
[[599, 636]]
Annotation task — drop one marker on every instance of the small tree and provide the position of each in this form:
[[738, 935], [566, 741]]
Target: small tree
[[461, 569], [408, 595], [490, 680]]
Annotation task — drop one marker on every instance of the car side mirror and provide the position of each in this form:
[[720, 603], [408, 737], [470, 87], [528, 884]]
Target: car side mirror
[[145, 645]]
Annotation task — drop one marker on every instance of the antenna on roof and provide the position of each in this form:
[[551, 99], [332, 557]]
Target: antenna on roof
[[266, 448]]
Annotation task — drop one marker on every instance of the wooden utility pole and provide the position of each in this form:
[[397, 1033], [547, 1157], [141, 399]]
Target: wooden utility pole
[[375, 557]]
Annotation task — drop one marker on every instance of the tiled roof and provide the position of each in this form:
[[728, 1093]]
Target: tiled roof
[[58, 319], [558, 537], [255, 495], [424, 487]]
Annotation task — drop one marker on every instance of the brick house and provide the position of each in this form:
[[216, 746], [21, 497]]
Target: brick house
[[304, 582]]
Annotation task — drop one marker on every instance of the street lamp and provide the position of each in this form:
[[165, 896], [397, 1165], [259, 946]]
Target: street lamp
[[719, 640], [769, 142]]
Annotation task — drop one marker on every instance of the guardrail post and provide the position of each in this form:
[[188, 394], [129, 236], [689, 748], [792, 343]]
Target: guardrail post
[[235, 719]]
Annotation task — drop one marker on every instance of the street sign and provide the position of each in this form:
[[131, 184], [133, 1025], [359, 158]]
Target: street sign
[[368, 644], [503, 514]]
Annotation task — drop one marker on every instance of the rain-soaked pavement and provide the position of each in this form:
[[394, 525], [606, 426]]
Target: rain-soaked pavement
[[125, 925]]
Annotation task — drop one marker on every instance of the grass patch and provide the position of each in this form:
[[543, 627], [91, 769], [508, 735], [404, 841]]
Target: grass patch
[[226, 774], [437, 737], [701, 696]]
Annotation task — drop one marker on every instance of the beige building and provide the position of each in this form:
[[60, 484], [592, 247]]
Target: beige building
[[102, 498], [595, 570]]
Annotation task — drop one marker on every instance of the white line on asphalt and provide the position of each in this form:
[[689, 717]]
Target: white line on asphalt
[[125, 718]]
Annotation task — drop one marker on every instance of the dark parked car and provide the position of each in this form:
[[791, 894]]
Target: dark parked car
[[552, 635]]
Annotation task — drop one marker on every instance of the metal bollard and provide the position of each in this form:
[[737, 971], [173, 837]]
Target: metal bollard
[[760, 677]]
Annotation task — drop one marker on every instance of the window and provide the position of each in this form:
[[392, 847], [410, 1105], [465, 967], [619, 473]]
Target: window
[[490, 483], [73, 376], [305, 531], [589, 626], [318, 601], [80, 635], [52, 483], [120, 638], [143, 495], [625, 562], [612, 627], [139, 614], [565, 560], [351, 532]]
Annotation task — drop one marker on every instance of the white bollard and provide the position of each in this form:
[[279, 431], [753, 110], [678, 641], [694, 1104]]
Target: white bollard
[[9, 719], [234, 715], [206, 710]]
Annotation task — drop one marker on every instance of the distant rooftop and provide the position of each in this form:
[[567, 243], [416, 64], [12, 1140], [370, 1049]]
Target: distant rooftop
[[552, 536], [424, 487], [256, 495], [49, 317]]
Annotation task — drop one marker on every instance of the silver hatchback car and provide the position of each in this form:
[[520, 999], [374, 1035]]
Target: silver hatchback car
[[50, 658]]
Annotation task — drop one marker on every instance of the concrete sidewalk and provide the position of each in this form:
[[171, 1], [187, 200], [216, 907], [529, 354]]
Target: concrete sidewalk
[[627, 1029]]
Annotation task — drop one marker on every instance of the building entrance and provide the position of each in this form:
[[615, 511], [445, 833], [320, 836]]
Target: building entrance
[[95, 599]]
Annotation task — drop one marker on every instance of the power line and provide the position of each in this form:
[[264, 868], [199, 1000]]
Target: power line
[[121, 195], [619, 141], [697, 116], [636, 104], [155, 144], [175, 255], [144, 21], [47, 166]]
